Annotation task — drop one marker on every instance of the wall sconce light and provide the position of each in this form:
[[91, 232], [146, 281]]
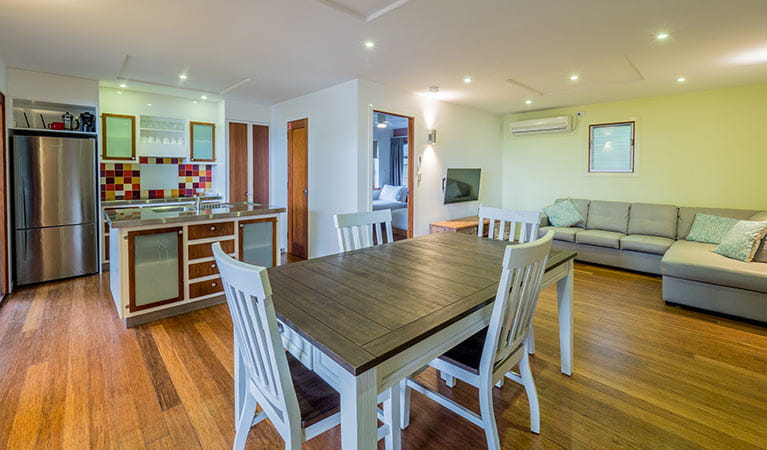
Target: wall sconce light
[[432, 138]]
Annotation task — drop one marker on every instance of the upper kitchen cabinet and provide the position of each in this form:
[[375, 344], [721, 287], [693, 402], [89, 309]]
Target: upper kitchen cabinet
[[203, 136], [119, 137], [163, 136]]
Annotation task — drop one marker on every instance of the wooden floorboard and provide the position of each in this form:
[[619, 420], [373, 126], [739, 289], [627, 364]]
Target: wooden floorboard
[[645, 375]]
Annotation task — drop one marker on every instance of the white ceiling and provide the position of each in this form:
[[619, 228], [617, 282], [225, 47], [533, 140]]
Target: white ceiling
[[267, 51]]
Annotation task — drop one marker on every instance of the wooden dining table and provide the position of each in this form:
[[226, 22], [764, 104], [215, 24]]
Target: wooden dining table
[[366, 319]]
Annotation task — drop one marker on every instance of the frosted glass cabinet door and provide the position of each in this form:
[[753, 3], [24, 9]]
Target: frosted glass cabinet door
[[155, 260], [118, 140], [203, 139], [257, 242]]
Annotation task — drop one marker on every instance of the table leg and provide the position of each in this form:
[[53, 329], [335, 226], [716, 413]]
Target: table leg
[[565, 310], [359, 425]]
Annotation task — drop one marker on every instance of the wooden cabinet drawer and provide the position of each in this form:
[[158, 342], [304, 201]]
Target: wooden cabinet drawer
[[197, 251], [210, 230], [203, 269], [205, 288]]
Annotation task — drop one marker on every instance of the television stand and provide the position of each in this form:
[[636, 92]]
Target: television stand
[[465, 225]]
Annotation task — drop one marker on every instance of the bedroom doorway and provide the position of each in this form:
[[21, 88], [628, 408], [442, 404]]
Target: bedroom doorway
[[392, 169]]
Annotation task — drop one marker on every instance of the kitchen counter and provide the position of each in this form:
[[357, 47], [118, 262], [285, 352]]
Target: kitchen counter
[[152, 201], [133, 217], [161, 258]]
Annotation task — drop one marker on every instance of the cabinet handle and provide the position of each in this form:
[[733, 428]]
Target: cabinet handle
[[213, 284], [212, 266], [213, 228]]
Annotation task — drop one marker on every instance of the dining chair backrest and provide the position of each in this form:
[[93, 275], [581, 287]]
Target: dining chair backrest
[[249, 297], [523, 225], [515, 300], [357, 230]]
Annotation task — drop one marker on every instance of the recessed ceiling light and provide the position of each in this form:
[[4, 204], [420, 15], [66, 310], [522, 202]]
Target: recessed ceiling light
[[433, 89], [661, 36], [204, 97], [574, 77], [149, 104], [123, 85], [528, 102], [681, 80], [182, 76], [370, 44], [194, 101], [467, 80]]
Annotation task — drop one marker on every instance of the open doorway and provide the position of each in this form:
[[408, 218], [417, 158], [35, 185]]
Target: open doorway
[[392, 176]]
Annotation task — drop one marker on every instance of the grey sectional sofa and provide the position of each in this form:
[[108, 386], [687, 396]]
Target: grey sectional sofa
[[651, 238]]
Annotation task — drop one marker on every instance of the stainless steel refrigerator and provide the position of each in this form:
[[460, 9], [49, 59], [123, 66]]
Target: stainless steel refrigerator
[[55, 218]]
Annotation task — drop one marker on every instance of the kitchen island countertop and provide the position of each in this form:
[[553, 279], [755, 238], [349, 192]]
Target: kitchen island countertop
[[134, 217]]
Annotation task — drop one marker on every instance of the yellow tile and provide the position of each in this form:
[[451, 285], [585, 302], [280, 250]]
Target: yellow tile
[[174, 193], [189, 180], [118, 180], [110, 195]]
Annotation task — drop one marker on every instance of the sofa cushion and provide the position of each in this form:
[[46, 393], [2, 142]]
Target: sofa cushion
[[742, 241], [600, 238], [647, 244], [687, 217], [653, 220], [391, 193], [696, 261], [761, 252], [710, 229], [582, 205], [566, 234], [563, 214], [608, 216]]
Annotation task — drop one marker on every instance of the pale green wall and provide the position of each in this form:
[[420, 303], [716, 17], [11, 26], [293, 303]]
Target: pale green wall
[[705, 148]]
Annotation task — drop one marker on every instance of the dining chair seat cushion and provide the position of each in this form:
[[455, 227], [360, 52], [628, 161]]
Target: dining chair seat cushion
[[317, 400], [468, 353]]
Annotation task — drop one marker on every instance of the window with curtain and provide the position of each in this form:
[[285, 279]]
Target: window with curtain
[[611, 148]]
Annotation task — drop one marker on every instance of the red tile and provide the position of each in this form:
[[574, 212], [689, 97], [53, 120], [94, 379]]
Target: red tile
[[110, 173], [110, 187], [136, 186]]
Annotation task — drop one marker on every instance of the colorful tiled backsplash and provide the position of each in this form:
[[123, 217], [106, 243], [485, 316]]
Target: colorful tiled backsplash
[[123, 180]]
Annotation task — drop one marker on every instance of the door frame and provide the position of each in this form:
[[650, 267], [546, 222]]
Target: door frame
[[305, 124], [411, 163], [5, 286]]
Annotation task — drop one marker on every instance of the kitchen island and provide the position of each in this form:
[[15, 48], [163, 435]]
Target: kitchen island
[[162, 262]]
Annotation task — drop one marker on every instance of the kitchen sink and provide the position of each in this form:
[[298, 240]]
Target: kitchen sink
[[173, 209]]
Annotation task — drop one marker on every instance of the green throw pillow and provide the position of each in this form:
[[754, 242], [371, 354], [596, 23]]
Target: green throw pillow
[[742, 241], [710, 229], [563, 214]]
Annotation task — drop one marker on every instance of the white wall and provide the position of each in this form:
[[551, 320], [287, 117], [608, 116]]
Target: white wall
[[240, 111], [49, 87], [3, 77], [467, 137], [340, 154], [137, 103], [332, 141]]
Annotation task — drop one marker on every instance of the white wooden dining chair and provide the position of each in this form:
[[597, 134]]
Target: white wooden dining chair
[[523, 225], [299, 403], [357, 230], [489, 355]]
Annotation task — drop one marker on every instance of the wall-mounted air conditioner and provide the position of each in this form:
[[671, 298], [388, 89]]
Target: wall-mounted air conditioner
[[545, 125]]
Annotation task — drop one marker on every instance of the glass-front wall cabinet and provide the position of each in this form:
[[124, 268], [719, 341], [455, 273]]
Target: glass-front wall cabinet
[[203, 139], [258, 241], [119, 136], [155, 267]]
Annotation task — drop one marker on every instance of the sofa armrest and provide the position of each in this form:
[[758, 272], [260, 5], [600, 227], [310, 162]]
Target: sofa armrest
[[376, 194], [544, 220]]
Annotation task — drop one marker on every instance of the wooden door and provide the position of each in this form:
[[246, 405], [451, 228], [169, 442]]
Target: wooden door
[[298, 188], [261, 164], [238, 162], [4, 286]]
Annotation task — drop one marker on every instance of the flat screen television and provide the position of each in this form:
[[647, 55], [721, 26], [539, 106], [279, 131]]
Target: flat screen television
[[462, 185]]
